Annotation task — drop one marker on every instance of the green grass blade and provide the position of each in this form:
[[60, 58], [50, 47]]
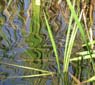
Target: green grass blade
[[32, 76], [68, 35], [92, 79], [67, 57], [69, 44], [24, 67], [53, 42], [83, 57], [85, 53]]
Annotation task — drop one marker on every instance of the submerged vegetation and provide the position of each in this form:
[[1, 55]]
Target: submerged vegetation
[[44, 42]]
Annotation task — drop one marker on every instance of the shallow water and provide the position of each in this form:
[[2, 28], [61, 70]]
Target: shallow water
[[40, 53]]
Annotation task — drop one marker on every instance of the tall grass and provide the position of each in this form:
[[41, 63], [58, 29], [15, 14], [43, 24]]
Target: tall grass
[[67, 56]]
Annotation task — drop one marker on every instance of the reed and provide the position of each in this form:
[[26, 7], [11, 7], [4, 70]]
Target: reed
[[53, 42], [83, 35]]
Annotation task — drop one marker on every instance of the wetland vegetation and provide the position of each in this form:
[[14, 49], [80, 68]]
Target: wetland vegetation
[[47, 42]]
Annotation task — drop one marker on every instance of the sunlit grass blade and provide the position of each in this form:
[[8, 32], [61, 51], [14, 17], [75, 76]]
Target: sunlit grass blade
[[24, 67], [77, 20], [32, 76], [66, 55], [85, 52], [80, 28], [82, 57], [92, 79], [69, 44], [53, 42], [68, 35]]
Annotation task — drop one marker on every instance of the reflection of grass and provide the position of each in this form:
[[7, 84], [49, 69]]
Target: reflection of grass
[[35, 16], [71, 40], [53, 42]]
